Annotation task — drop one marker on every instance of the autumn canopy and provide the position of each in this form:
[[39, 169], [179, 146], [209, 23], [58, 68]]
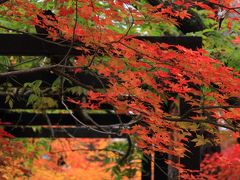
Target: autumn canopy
[[147, 81]]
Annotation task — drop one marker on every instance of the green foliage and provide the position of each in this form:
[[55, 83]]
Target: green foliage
[[56, 85], [218, 42], [5, 63], [9, 100], [75, 90], [13, 63], [220, 47], [123, 168], [200, 140], [36, 99], [33, 148], [34, 86], [41, 102]]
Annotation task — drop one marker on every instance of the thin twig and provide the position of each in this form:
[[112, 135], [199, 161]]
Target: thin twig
[[200, 121], [27, 71], [128, 152], [82, 112], [73, 33], [223, 6], [74, 80], [129, 28], [83, 124], [50, 125], [208, 107], [94, 56]]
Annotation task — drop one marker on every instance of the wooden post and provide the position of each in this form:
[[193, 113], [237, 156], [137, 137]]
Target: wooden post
[[160, 167], [146, 167]]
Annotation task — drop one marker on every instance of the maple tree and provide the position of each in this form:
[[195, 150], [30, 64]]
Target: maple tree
[[79, 156], [63, 158], [142, 77], [223, 165], [17, 156]]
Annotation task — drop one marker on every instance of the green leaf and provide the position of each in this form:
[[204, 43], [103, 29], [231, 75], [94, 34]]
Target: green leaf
[[76, 90], [189, 126], [56, 84], [32, 99], [9, 100], [36, 128], [10, 103], [200, 140]]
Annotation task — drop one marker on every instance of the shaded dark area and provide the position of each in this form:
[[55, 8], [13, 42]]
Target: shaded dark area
[[34, 45], [146, 168], [192, 24], [192, 158], [37, 45], [161, 168], [188, 42], [32, 119], [3, 1], [64, 132], [48, 77], [47, 25], [186, 25]]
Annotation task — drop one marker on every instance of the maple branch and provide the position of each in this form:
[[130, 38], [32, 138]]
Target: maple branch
[[98, 79], [181, 119], [129, 28], [73, 34], [135, 50], [200, 121], [82, 123], [73, 79], [50, 124], [223, 6], [54, 68], [21, 63], [94, 56], [83, 113], [84, 149], [208, 107], [27, 71], [129, 150]]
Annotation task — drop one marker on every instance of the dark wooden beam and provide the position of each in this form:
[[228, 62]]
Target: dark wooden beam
[[192, 158], [74, 132], [186, 41], [31, 119], [32, 45], [35, 45], [48, 77], [160, 166], [146, 167]]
